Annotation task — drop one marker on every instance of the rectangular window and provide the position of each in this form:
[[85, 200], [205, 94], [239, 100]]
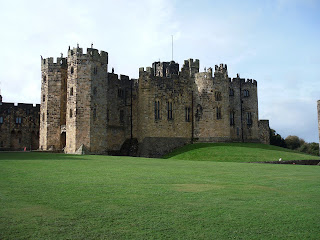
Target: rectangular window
[[218, 109], [246, 93], [121, 116], [231, 92], [169, 108], [231, 118], [1, 120], [218, 96], [18, 120], [156, 110], [249, 118], [187, 111]]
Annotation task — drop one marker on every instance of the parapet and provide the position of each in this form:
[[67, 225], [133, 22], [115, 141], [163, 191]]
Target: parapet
[[221, 68], [92, 54], [191, 64], [60, 62]]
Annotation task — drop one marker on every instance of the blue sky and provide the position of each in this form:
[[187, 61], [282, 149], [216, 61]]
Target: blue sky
[[275, 42]]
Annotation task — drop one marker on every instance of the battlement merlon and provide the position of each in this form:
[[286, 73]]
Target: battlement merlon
[[49, 62], [144, 72], [92, 54], [243, 81]]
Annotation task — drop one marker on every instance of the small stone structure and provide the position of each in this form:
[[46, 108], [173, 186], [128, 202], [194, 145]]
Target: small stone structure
[[86, 109], [19, 126]]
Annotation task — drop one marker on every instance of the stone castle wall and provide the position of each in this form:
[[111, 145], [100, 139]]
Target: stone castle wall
[[19, 126], [163, 109]]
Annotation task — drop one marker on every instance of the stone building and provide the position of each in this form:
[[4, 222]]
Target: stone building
[[19, 126], [85, 108]]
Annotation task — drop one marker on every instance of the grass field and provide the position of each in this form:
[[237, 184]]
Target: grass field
[[56, 196], [237, 152]]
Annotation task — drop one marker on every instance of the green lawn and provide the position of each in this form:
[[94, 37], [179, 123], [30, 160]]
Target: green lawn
[[236, 152], [56, 196]]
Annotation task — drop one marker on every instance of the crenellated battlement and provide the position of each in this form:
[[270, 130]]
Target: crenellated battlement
[[58, 62], [243, 81], [92, 54], [221, 68], [6, 105]]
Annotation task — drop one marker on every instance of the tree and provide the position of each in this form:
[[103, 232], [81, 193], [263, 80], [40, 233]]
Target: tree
[[294, 142], [276, 139]]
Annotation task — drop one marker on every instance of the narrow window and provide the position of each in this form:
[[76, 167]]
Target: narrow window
[[94, 114], [70, 113], [44, 79], [156, 110], [218, 96], [95, 70], [71, 91], [95, 91], [169, 109], [238, 131], [231, 118], [231, 92], [120, 93], [187, 111], [1, 120], [43, 117], [121, 116], [249, 118], [246, 93], [72, 70], [43, 98], [218, 110]]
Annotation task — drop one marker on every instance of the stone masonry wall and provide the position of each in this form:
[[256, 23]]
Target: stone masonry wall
[[52, 96], [19, 126]]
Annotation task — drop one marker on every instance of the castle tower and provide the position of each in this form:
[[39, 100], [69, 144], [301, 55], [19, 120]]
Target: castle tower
[[86, 115], [52, 112]]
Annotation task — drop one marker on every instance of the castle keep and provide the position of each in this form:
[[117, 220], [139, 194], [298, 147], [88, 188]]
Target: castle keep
[[87, 109]]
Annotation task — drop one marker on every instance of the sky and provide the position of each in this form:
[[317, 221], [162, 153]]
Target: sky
[[275, 42]]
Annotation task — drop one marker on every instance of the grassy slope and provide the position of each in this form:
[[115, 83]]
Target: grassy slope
[[236, 152], [95, 197]]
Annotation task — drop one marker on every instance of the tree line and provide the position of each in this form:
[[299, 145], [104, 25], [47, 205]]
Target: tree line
[[294, 143]]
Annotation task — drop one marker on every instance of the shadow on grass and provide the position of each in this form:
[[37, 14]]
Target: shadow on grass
[[39, 156]]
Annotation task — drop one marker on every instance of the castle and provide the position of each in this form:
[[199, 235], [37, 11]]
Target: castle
[[19, 126], [87, 109]]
